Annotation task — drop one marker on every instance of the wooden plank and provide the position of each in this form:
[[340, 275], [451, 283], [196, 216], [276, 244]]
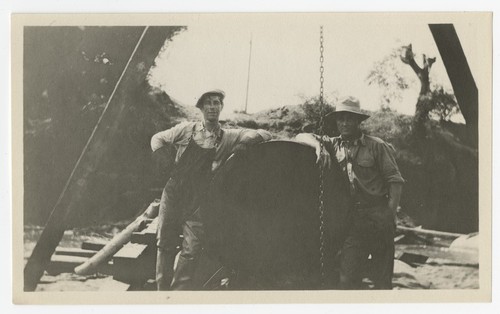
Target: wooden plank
[[134, 263], [129, 251], [60, 263], [153, 226], [147, 235], [64, 264], [93, 245], [143, 238], [71, 251]]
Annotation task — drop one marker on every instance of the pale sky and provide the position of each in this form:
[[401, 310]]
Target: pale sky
[[285, 59]]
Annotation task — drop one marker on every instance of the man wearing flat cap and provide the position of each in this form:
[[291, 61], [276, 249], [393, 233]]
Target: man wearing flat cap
[[201, 147], [375, 187]]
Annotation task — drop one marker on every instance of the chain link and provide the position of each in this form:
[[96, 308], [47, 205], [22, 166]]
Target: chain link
[[321, 68], [322, 170]]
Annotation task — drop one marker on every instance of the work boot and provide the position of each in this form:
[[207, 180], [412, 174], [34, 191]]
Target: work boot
[[164, 268], [184, 273]]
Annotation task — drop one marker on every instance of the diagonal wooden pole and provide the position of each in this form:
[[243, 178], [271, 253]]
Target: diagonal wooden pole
[[95, 151], [457, 67]]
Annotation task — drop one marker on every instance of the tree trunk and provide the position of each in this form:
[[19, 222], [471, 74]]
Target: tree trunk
[[424, 104]]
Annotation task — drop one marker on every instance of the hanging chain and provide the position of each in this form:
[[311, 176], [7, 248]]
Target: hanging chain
[[321, 81], [322, 170]]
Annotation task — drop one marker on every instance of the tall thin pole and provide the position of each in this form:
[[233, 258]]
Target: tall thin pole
[[248, 78]]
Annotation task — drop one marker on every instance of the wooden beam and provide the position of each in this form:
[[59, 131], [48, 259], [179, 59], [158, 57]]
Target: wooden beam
[[147, 45], [459, 72], [134, 263], [71, 251], [147, 235], [64, 264], [94, 245]]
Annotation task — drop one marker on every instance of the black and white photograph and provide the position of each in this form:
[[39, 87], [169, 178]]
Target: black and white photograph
[[269, 157]]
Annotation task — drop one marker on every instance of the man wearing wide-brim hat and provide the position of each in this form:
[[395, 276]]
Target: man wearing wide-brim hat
[[375, 186], [201, 147]]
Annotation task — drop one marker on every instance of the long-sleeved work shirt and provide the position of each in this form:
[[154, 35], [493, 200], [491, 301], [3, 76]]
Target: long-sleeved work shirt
[[180, 135], [372, 160]]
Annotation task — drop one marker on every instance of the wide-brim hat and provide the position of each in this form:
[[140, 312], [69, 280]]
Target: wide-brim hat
[[214, 92], [349, 104]]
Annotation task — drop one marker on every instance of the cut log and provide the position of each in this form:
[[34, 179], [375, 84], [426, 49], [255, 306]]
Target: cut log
[[113, 246]]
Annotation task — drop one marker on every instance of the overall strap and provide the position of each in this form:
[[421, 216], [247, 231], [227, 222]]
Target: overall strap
[[192, 132], [218, 140]]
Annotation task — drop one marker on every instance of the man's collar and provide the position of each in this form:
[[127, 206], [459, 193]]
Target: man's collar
[[216, 130], [362, 139], [359, 141]]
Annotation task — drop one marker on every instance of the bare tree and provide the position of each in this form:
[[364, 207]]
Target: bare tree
[[427, 101], [424, 102]]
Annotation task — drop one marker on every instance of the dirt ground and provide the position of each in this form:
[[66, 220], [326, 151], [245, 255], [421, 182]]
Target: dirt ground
[[421, 276], [429, 276]]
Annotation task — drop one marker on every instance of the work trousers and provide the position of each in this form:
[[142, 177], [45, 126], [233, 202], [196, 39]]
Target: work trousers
[[171, 224], [371, 234]]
